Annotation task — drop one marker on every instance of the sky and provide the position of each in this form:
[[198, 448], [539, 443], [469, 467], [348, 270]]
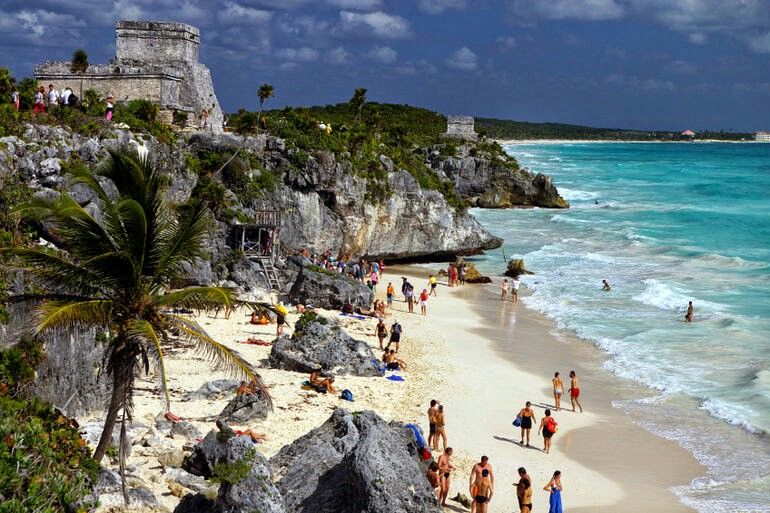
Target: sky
[[647, 64]]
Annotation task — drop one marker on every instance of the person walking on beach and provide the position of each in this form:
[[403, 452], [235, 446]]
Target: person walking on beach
[[280, 318], [433, 282], [558, 390], [438, 419], [424, 302], [395, 335], [521, 489], [606, 287], [482, 492], [409, 297], [374, 277], [461, 273], [432, 410], [382, 332], [688, 315], [574, 391], [445, 469], [515, 290], [476, 472], [504, 289], [554, 486], [548, 427], [404, 282], [389, 293], [527, 415]]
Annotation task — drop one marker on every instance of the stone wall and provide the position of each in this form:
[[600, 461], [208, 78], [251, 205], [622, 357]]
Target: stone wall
[[461, 127], [156, 42]]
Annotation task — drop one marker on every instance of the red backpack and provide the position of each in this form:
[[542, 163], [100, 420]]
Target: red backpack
[[551, 425]]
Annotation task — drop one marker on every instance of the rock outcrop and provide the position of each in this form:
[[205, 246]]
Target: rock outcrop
[[325, 289], [245, 407], [516, 268], [354, 462], [326, 346]]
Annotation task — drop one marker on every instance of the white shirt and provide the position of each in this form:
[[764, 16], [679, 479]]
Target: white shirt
[[65, 95], [53, 96], [515, 284]]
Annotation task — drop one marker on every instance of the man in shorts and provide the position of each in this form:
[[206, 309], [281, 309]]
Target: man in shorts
[[482, 492], [476, 471], [433, 282], [395, 335]]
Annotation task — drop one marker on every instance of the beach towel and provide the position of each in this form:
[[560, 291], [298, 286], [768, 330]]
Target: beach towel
[[395, 377], [417, 435], [555, 504], [517, 421], [354, 316], [378, 366]]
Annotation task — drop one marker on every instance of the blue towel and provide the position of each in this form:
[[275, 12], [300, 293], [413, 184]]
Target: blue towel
[[555, 506], [395, 377], [377, 365], [417, 435], [517, 422]]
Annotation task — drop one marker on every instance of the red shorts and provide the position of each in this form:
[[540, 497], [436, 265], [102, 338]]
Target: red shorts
[[574, 393]]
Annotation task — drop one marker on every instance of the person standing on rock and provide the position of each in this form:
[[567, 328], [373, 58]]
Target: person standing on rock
[[395, 335], [445, 469], [476, 471]]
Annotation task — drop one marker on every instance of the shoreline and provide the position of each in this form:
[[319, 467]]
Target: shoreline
[[513, 142]]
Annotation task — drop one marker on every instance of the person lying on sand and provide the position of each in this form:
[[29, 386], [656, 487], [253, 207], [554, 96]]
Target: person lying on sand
[[257, 438], [249, 388], [259, 319]]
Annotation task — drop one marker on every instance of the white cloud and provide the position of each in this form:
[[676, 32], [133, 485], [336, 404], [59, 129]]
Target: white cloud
[[378, 23], [761, 43], [359, 5], [439, 6], [303, 54], [697, 38], [463, 59], [237, 14], [506, 41], [680, 67], [653, 85], [339, 56], [383, 54], [590, 10]]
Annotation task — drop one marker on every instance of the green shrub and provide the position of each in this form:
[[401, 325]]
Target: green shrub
[[307, 318]]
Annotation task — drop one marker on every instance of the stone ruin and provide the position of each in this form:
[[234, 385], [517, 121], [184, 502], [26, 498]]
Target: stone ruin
[[460, 127], [155, 61]]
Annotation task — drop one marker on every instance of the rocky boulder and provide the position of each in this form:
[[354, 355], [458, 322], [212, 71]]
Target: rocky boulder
[[242, 471], [329, 290], [245, 407], [516, 268], [354, 462], [316, 345]]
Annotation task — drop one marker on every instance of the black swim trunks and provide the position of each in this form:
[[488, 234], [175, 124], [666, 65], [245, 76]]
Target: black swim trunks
[[546, 433], [281, 320], [432, 428], [526, 422], [480, 499], [395, 337]]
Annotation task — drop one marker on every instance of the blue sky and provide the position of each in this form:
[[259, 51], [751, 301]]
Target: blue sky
[[668, 64]]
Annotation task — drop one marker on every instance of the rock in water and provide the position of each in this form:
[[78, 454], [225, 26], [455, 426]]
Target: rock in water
[[516, 268], [242, 471], [354, 462], [244, 408], [325, 289], [326, 346]]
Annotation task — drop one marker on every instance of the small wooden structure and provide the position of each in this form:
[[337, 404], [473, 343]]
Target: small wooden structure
[[258, 241]]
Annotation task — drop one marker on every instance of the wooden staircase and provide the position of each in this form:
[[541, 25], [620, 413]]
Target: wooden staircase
[[269, 271]]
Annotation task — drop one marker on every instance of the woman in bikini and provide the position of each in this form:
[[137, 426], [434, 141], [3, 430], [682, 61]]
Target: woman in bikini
[[445, 469], [438, 419], [527, 415], [558, 390], [382, 332], [574, 391]]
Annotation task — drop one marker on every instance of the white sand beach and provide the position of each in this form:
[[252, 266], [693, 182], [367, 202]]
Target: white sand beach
[[482, 359]]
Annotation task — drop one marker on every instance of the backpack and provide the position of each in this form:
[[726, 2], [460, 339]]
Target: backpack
[[347, 395], [396, 328], [72, 100], [551, 425]]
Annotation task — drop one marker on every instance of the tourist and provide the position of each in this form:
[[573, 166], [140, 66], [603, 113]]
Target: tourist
[[391, 362], [476, 471], [424, 302], [521, 489], [554, 486], [53, 97], [110, 108], [445, 469], [453, 275], [432, 410], [325, 385], [574, 391], [482, 492], [606, 286], [449, 278], [504, 289], [244, 389], [434, 480], [280, 313], [382, 332], [65, 97], [548, 427], [404, 281], [525, 501], [39, 103], [527, 415], [558, 390], [389, 293], [16, 99], [461, 273], [515, 283], [688, 315], [374, 278], [409, 297], [440, 422], [204, 120], [395, 335], [433, 284]]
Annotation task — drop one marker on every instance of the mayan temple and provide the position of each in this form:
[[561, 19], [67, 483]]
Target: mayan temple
[[155, 61]]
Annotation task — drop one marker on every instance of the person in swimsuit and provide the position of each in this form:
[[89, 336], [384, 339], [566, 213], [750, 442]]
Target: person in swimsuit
[[390, 292], [504, 289], [558, 390], [433, 479], [395, 335], [433, 284], [520, 490], [438, 419], [391, 362], [476, 472], [606, 286], [554, 486], [515, 290], [525, 501], [382, 332], [688, 315], [482, 492], [546, 424], [280, 318], [574, 391], [527, 415], [432, 423], [445, 469], [424, 302]]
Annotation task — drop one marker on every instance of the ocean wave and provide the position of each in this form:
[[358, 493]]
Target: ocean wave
[[577, 195], [734, 414], [667, 297], [734, 262]]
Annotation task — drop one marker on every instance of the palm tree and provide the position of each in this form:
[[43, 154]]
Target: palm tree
[[264, 92], [358, 101], [115, 272], [79, 65]]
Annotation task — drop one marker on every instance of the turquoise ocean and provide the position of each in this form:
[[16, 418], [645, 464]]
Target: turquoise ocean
[[664, 223]]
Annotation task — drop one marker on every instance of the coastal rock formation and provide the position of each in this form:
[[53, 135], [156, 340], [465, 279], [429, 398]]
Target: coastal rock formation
[[326, 346], [487, 184], [246, 407], [242, 471], [325, 289], [354, 462], [516, 268]]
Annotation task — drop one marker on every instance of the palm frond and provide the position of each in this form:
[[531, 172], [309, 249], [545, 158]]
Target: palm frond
[[197, 298], [219, 353], [183, 241], [53, 315], [143, 331]]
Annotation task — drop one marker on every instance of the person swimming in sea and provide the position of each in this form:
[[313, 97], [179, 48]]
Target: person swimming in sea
[[688, 315], [606, 287]]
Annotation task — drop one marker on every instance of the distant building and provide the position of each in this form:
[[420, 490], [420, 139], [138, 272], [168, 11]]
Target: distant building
[[688, 133], [461, 127], [762, 136], [155, 61]]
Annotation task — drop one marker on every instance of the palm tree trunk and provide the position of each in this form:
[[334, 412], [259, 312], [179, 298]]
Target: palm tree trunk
[[118, 394]]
